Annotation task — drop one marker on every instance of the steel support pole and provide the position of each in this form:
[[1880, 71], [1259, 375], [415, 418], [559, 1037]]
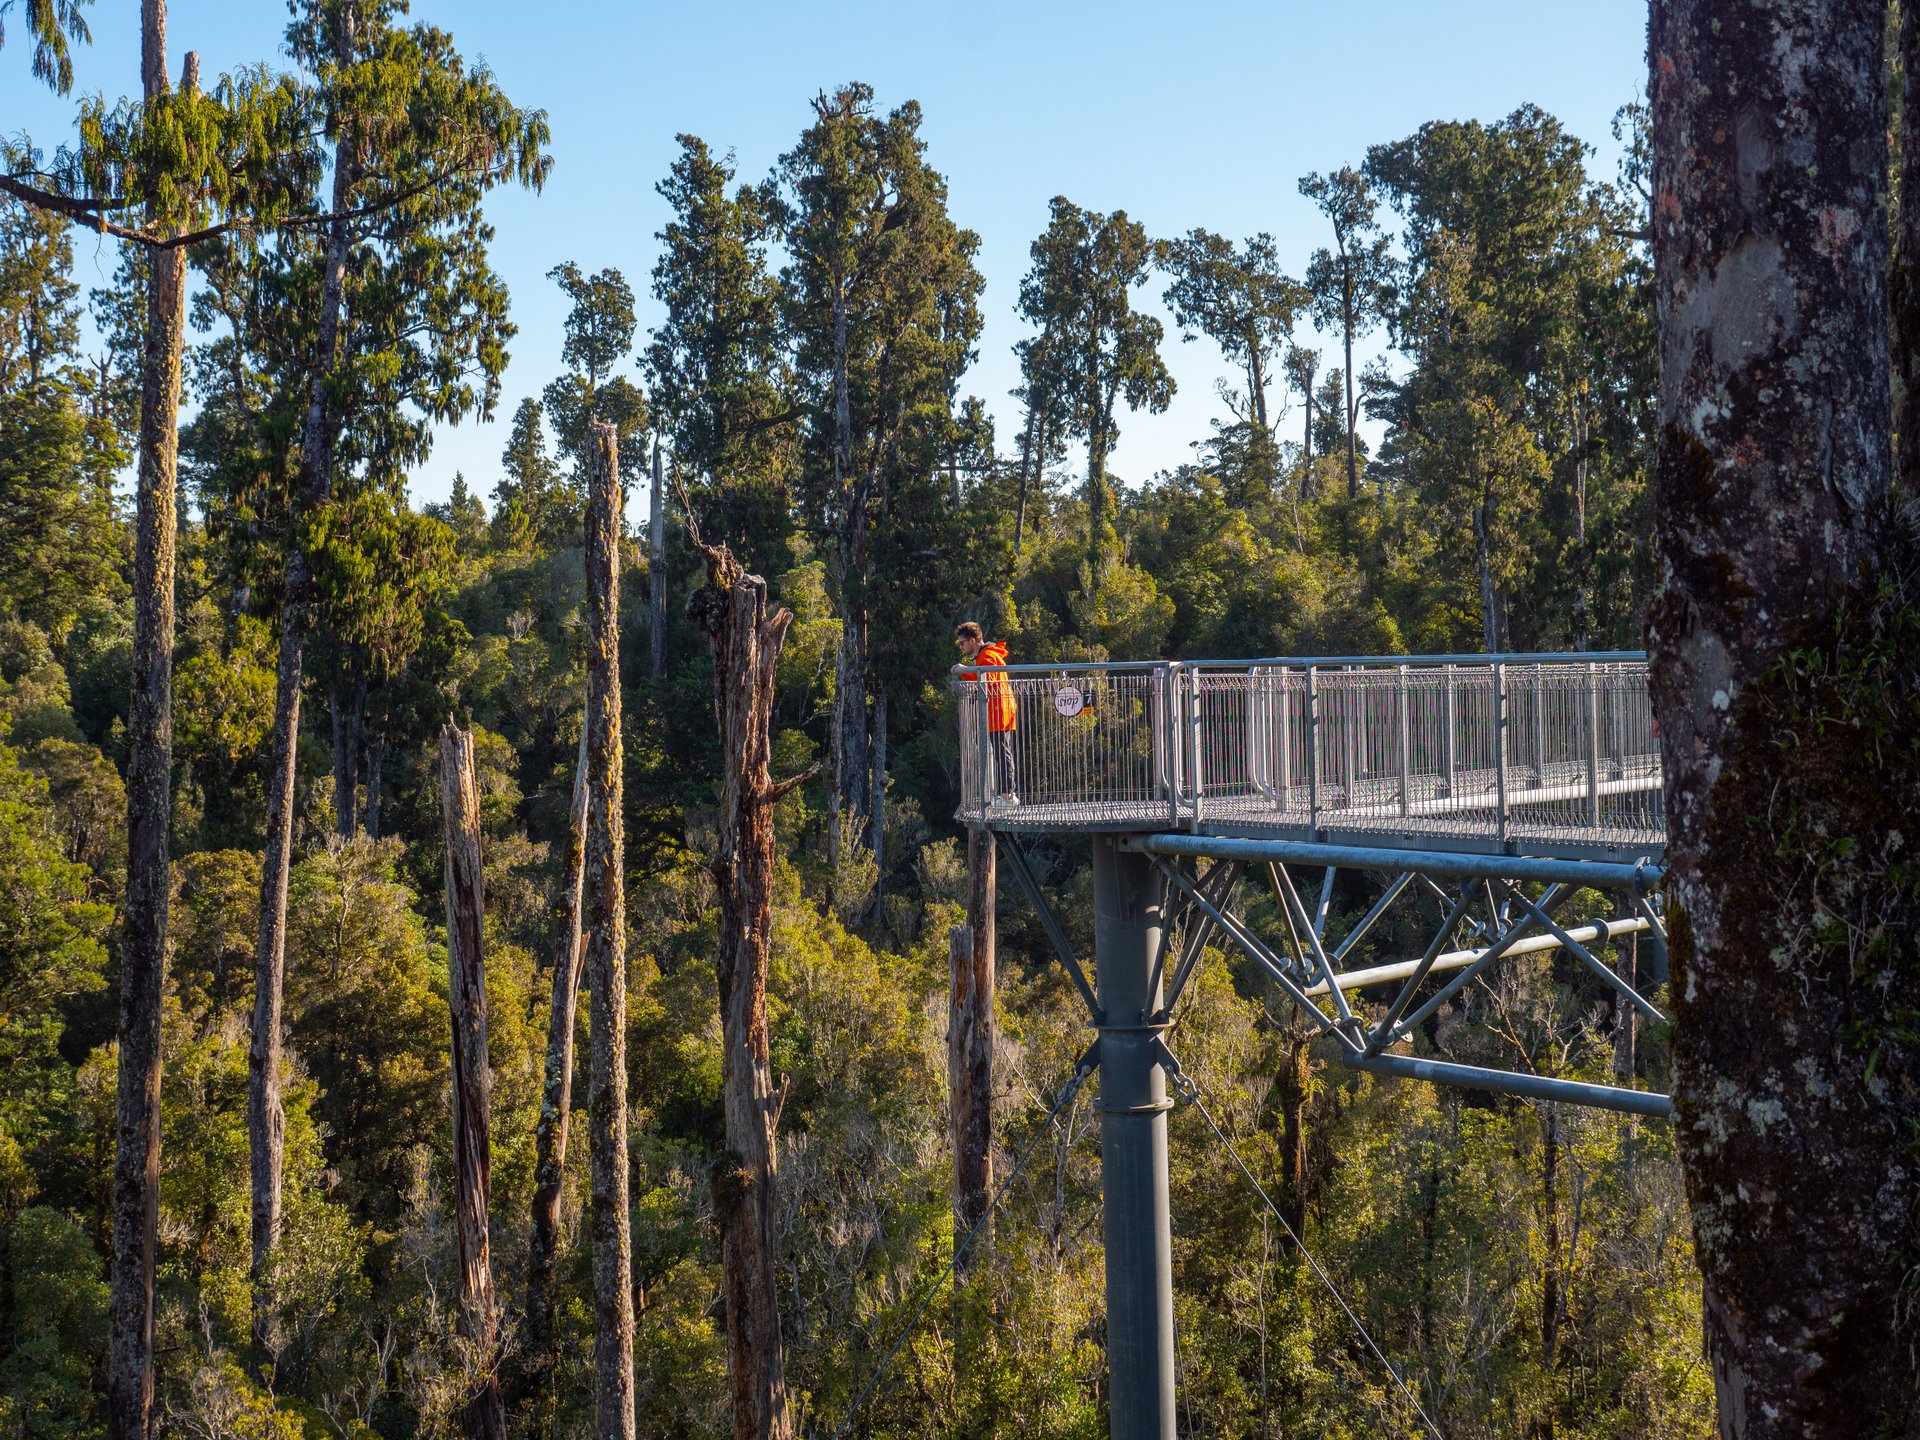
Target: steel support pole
[[1129, 896]]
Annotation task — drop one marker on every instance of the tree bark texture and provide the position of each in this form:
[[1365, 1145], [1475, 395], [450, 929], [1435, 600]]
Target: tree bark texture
[[266, 1120], [1784, 653], [136, 1157], [970, 1031], [1904, 281], [556, 1100], [746, 637], [484, 1416], [605, 902]]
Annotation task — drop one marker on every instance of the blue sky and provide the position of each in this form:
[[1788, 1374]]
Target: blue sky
[[1184, 116]]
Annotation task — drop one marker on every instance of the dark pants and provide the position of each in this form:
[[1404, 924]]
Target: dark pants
[[1003, 768]]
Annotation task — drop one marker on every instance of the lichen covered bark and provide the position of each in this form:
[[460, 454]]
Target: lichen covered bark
[[605, 924], [746, 636], [1780, 686]]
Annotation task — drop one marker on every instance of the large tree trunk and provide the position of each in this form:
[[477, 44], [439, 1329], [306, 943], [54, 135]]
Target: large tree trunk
[[746, 638], [266, 1121], [1295, 1084], [136, 1156], [1784, 656], [1904, 286], [484, 1417], [970, 1032], [556, 1102], [606, 929], [657, 566]]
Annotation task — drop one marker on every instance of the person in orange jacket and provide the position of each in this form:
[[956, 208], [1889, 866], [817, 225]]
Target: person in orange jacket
[[1003, 714]]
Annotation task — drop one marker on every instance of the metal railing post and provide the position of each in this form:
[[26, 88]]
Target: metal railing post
[[1539, 725], [1283, 701], [1313, 748], [1406, 745], [1450, 760], [1593, 745], [1170, 699], [1500, 749], [1194, 778]]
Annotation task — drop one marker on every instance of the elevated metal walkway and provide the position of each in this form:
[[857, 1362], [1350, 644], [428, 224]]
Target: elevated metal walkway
[[1543, 755], [1484, 794]]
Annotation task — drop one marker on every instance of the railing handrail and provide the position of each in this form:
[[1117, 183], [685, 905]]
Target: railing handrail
[[1509, 749], [1347, 662]]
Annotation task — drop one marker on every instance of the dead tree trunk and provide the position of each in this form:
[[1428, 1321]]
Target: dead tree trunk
[[605, 901], [1784, 679], [746, 639], [1295, 1087], [657, 566], [266, 1121], [970, 1044], [136, 1156], [556, 1101], [484, 1417]]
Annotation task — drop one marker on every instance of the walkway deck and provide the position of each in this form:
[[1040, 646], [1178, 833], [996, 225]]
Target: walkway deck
[[1547, 755]]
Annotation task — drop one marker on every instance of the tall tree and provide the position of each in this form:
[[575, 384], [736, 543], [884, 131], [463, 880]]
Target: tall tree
[[882, 306], [1786, 684], [1510, 263], [714, 367], [136, 1167], [424, 341], [1239, 299], [1352, 282], [1086, 267], [599, 331], [746, 637], [483, 1416], [606, 946]]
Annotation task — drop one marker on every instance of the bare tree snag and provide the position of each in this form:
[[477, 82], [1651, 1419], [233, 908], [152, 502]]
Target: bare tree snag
[[136, 1156], [556, 1100], [657, 565], [1785, 644], [605, 902], [484, 1417], [732, 611], [266, 1120], [970, 1044]]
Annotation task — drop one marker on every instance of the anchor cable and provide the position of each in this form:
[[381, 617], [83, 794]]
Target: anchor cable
[[1189, 1090], [1068, 1091]]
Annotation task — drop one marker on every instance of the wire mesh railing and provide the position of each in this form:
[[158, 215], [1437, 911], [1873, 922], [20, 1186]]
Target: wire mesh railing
[[1504, 752]]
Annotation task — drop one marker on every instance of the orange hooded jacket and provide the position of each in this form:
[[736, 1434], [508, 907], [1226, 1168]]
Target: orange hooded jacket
[[1002, 713]]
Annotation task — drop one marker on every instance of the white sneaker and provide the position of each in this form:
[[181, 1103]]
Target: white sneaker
[[1005, 802]]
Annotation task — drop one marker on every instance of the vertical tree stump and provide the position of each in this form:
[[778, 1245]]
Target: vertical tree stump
[[746, 637], [484, 1417], [970, 1045], [606, 928], [556, 1098]]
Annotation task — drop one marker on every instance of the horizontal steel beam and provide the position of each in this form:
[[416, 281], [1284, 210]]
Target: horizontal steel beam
[[1458, 959], [1601, 874], [1507, 1082]]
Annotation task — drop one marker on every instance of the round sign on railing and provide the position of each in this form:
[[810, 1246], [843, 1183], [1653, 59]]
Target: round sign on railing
[[1068, 701]]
